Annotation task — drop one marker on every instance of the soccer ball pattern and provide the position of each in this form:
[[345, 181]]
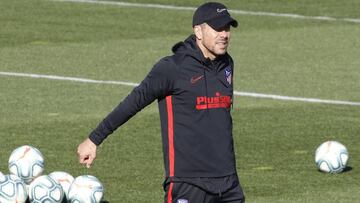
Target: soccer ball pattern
[[44, 189], [64, 179], [86, 189], [26, 162], [12, 189], [331, 157], [26, 182]]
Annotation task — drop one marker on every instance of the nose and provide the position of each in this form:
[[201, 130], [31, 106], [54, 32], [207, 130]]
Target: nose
[[224, 33]]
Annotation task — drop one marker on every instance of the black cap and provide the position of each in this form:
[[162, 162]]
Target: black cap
[[214, 14]]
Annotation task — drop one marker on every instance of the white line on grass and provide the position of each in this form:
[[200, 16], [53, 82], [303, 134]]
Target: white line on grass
[[302, 99], [73, 79], [241, 12], [245, 94]]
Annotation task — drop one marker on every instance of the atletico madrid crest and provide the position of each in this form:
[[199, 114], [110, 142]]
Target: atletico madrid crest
[[228, 75]]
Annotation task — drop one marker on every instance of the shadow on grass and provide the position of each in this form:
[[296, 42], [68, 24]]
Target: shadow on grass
[[347, 169]]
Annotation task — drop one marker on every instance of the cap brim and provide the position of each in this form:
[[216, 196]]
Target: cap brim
[[219, 23]]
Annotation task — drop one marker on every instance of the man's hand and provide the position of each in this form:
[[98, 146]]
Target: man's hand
[[86, 152]]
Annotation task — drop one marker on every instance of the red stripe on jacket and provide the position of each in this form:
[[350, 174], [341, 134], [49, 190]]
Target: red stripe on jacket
[[170, 135]]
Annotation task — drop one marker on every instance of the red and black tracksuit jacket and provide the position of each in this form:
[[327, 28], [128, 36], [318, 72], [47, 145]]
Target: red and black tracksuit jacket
[[195, 97]]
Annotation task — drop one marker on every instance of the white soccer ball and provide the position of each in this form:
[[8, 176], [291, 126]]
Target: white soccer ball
[[65, 180], [86, 189], [331, 157], [44, 189], [12, 189], [26, 162]]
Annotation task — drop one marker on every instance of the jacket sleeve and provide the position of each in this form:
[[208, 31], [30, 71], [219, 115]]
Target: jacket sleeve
[[157, 84]]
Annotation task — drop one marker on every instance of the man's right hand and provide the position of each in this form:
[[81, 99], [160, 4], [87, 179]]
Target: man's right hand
[[86, 152]]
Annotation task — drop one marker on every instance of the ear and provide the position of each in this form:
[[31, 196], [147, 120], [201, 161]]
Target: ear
[[198, 32]]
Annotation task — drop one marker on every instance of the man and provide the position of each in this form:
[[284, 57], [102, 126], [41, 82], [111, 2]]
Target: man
[[194, 89]]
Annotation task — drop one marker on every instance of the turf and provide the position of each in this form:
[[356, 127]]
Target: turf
[[275, 140]]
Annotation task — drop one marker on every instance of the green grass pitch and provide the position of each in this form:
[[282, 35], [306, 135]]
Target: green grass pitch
[[275, 140]]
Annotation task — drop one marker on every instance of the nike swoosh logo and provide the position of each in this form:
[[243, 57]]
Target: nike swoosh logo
[[220, 10], [193, 80]]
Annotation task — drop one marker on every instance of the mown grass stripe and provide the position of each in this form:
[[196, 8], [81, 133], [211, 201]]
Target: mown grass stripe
[[241, 12], [132, 84]]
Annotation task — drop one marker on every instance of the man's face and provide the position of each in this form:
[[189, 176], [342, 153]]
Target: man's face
[[213, 42]]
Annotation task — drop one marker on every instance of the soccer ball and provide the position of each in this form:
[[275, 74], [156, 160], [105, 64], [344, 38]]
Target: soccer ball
[[86, 189], [331, 157], [64, 179], [12, 189], [26, 162], [44, 189]]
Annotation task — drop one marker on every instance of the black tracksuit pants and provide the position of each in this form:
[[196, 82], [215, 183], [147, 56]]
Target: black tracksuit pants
[[203, 190]]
